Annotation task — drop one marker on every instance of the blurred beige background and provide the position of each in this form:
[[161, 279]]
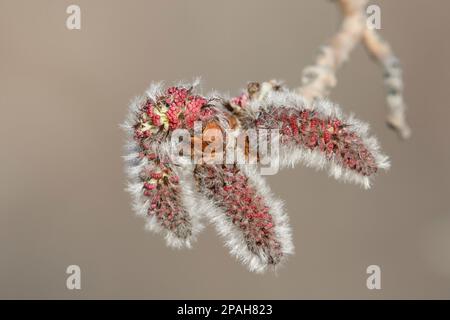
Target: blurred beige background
[[63, 94]]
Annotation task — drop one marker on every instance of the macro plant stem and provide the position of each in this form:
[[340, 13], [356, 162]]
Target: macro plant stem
[[319, 79]]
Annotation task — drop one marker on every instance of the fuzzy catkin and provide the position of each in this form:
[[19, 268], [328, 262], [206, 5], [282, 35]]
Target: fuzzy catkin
[[319, 79], [175, 198]]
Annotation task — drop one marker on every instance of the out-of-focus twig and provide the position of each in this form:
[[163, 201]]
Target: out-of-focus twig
[[320, 78], [381, 51]]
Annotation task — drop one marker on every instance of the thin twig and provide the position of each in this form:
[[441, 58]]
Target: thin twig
[[320, 78], [382, 52]]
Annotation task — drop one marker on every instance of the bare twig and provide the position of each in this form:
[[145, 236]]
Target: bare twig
[[381, 51], [320, 78]]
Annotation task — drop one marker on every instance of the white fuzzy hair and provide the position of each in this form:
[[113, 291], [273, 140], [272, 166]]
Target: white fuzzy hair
[[198, 205], [134, 165], [293, 153], [283, 232], [234, 237]]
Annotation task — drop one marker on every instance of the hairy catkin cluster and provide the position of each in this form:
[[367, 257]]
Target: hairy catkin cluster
[[176, 197]]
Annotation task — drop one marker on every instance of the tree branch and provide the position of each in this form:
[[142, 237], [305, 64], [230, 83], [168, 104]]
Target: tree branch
[[320, 78]]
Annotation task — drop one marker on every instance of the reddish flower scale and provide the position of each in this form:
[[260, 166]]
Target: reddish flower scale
[[240, 100], [161, 187], [328, 135], [246, 209], [176, 108]]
